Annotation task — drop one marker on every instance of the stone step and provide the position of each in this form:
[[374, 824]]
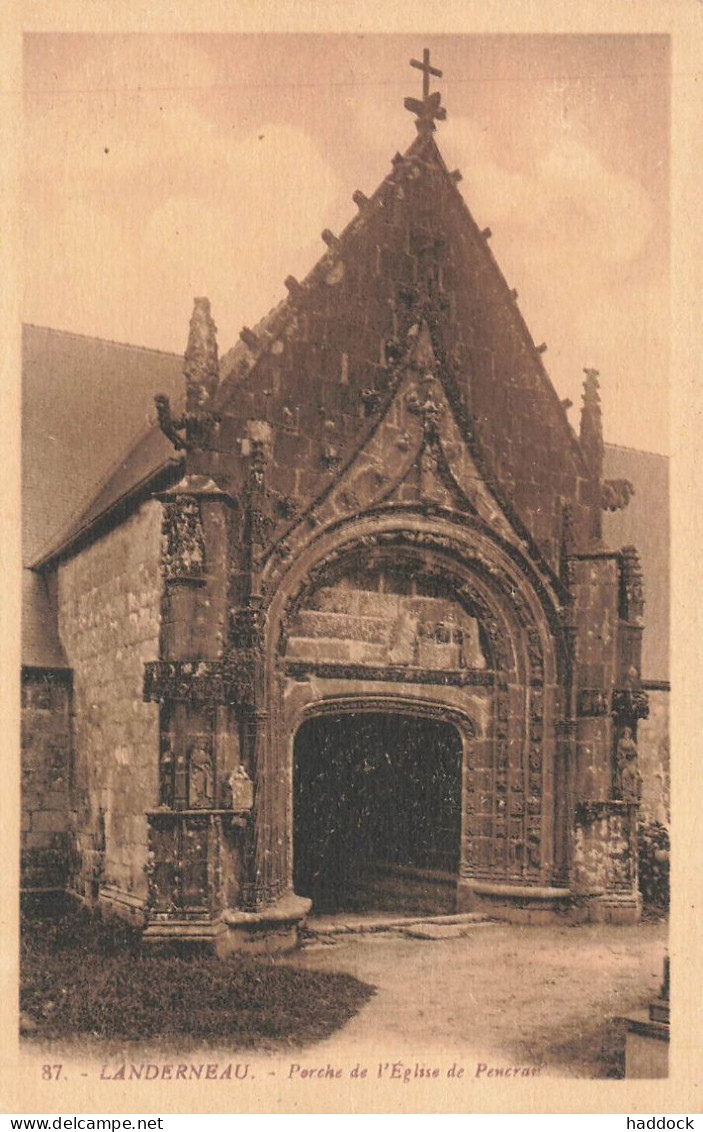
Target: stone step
[[331, 928]]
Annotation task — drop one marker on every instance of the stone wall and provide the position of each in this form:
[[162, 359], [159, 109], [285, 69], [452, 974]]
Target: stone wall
[[46, 774], [109, 618], [653, 758]]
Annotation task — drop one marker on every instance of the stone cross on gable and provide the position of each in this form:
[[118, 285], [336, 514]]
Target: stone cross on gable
[[428, 109]]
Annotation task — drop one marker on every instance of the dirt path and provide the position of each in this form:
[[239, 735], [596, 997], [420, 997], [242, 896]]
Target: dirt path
[[501, 995]]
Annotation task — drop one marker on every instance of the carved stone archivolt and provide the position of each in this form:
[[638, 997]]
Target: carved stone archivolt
[[504, 796]]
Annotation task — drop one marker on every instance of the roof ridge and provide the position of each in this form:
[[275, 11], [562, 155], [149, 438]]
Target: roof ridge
[[105, 341], [642, 451]]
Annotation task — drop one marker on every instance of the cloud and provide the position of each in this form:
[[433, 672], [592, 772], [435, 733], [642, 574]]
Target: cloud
[[183, 209], [568, 199]]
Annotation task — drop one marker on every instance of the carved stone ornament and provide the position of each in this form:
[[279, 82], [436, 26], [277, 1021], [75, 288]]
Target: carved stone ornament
[[188, 431], [593, 702], [242, 789], [397, 673], [632, 582], [195, 428], [198, 681], [421, 402], [616, 494], [183, 540], [630, 703], [592, 811], [248, 628]]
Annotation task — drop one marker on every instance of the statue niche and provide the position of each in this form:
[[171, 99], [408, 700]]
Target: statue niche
[[201, 779], [385, 616]]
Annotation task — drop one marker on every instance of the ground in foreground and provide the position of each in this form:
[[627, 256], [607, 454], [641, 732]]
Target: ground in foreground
[[550, 997], [82, 975]]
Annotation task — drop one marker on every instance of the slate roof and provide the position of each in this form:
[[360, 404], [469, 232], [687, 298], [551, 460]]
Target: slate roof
[[87, 436]]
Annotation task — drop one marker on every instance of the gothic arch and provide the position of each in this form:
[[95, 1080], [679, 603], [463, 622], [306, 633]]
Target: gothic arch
[[509, 801]]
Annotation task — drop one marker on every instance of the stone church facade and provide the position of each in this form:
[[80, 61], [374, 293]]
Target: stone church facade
[[374, 521]]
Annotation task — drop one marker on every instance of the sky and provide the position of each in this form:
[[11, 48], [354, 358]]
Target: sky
[[158, 168]]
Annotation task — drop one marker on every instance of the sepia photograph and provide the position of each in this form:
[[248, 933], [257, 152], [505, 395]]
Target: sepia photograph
[[346, 560]]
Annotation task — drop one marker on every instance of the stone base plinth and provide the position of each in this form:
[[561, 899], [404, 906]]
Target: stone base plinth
[[114, 902], [274, 928], [519, 904], [525, 904], [614, 908]]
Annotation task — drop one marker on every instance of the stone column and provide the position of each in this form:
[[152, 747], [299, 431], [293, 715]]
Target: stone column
[[604, 855]]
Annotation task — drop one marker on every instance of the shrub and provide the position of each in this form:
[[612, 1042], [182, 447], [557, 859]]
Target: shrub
[[653, 849]]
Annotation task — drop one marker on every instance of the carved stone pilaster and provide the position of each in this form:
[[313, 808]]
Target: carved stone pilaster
[[632, 587]]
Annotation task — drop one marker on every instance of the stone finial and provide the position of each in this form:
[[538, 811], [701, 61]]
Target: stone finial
[[456, 176], [201, 366], [360, 199], [542, 348], [486, 233], [292, 286], [591, 429], [330, 239]]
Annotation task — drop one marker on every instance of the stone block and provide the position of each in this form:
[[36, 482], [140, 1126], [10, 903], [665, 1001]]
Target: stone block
[[342, 626], [378, 605], [49, 821], [307, 648], [433, 655]]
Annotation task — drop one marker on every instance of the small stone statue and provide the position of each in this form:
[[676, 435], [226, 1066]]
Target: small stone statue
[[166, 776], [628, 777], [200, 782], [242, 789]]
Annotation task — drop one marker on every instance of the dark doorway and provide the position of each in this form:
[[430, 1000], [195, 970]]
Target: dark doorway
[[377, 812]]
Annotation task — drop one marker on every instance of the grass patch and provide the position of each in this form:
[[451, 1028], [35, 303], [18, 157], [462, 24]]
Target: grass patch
[[85, 975]]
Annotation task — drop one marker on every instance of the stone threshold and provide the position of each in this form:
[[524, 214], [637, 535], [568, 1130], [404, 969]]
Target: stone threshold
[[418, 924]]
